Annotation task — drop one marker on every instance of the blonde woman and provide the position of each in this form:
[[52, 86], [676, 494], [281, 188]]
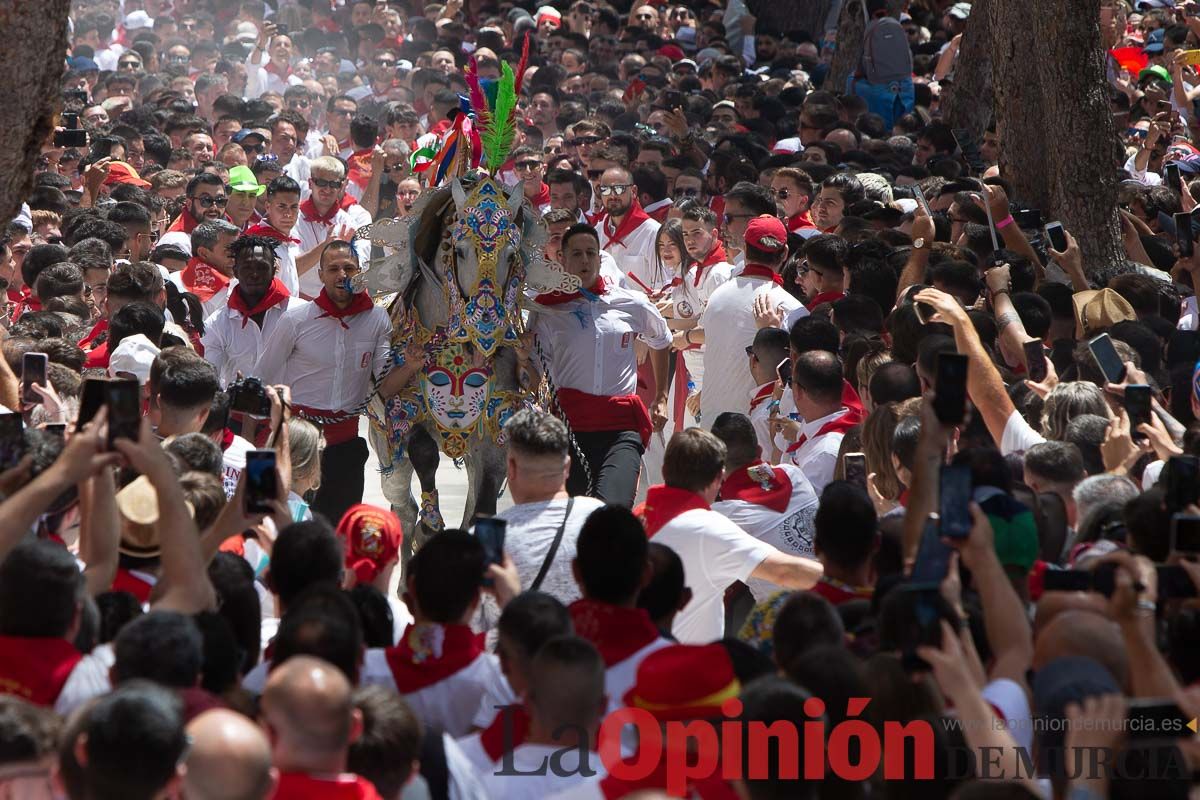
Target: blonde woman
[[306, 443]]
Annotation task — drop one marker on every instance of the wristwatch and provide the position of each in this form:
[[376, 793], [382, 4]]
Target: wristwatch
[[919, 243]]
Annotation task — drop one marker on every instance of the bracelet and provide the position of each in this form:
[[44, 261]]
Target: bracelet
[[1004, 223], [1147, 605], [687, 337]]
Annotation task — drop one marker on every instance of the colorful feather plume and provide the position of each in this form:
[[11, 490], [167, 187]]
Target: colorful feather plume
[[478, 101], [497, 135], [522, 64]]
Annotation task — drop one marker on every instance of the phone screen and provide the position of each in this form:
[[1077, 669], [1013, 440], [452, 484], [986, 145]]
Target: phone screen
[[784, 370], [1107, 359], [12, 440], [261, 487], [1058, 238], [490, 532], [1185, 533], [854, 465], [950, 388], [1066, 580], [1183, 482], [1183, 234], [1137, 404], [1030, 219], [91, 399], [1035, 361], [954, 495], [1173, 582], [1156, 718], [124, 410], [33, 370], [1171, 176], [933, 557]]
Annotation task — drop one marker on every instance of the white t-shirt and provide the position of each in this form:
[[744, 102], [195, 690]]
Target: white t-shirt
[[790, 531], [690, 300], [531, 529], [1018, 435], [817, 456], [530, 758], [729, 327], [715, 553], [233, 461]]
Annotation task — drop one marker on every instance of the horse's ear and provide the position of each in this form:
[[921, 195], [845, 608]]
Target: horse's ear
[[460, 194], [516, 194]]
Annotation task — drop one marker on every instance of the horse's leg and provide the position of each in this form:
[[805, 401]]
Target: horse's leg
[[395, 480], [424, 455], [486, 472]]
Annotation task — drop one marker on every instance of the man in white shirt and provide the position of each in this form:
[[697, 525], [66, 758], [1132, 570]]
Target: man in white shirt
[[769, 350], [323, 218], [566, 702], [236, 334], [727, 325], [208, 272], [276, 74], [539, 461], [328, 350], [628, 232], [776, 505], [817, 392], [715, 552]]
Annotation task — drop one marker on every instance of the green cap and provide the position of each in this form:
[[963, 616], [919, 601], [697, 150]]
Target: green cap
[[241, 179], [1156, 72]]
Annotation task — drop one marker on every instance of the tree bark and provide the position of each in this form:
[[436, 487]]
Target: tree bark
[[969, 102], [791, 15], [1017, 87], [849, 46], [35, 33]]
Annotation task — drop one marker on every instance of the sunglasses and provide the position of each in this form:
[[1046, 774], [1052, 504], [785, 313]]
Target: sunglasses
[[1136, 132], [523, 165], [731, 217], [320, 183], [208, 202], [688, 192], [130, 64], [750, 350], [269, 158], [299, 103], [783, 194], [617, 189], [581, 141], [254, 148], [383, 62]]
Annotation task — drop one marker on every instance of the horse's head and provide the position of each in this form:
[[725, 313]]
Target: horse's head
[[487, 233]]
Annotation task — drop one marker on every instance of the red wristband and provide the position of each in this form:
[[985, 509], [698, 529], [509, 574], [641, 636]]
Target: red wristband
[[1004, 223]]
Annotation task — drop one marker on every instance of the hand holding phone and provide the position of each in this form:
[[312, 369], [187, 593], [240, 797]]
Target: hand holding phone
[[854, 467], [1185, 533], [954, 495], [490, 533], [1057, 237], [1035, 361], [1183, 234], [1107, 359], [261, 485], [124, 411], [33, 370], [1137, 405], [950, 389]]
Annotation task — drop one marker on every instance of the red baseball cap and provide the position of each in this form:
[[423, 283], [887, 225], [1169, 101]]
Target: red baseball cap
[[120, 172], [671, 51], [371, 537], [684, 682], [766, 233]]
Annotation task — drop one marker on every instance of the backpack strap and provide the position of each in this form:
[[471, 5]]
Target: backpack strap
[[562, 527]]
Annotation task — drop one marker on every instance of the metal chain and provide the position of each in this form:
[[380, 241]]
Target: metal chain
[[557, 410]]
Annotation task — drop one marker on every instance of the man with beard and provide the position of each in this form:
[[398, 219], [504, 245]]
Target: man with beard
[[204, 199]]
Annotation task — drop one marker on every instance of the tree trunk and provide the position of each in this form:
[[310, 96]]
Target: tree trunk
[[791, 15], [849, 46], [969, 102], [1016, 83], [36, 36]]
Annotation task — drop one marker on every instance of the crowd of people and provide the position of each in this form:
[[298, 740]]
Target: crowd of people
[[841, 434]]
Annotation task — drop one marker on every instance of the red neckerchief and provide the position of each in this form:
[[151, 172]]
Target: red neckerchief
[[493, 739], [346, 202], [185, 222], [97, 357], [359, 167], [715, 256], [761, 271], [841, 424], [851, 400], [824, 297], [616, 632], [429, 653], [302, 786], [558, 298], [227, 437], [665, 503], [36, 668], [29, 302], [126, 581], [543, 196], [837, 592], [631, 223], [308, 209], [100, 328], [716, 204], [203, 280], [269, 230], [799, 222], [359, 303], [710, 788], [761, 484], [762, 395], [276, 293], [274, 70]]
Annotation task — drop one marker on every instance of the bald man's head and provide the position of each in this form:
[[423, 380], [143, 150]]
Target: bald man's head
[[308, 709], [230, 759], [1082, 633]]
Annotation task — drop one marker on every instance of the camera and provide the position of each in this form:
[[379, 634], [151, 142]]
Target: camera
[[249, 396]]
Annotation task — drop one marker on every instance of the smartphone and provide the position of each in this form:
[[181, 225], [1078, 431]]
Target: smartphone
[[1156, 718], [71, 138], [1035, 361], [1137, 405], [1171, 176], [1067, 580], [490, 532], [920, 197], [1056, 235], [12, 440], [1174, 582], [954, 513], [970, 149], [124, 410], [950, 388], [672, 98], [1185, 533], [1106, 358], [926, 626], [854, 466], [91, 399], [261, 487], [1183, 234], [933, 558], [784, 370], [59, 429], [1030, 219], [1183, 483], [33, 370], [281, 29]]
